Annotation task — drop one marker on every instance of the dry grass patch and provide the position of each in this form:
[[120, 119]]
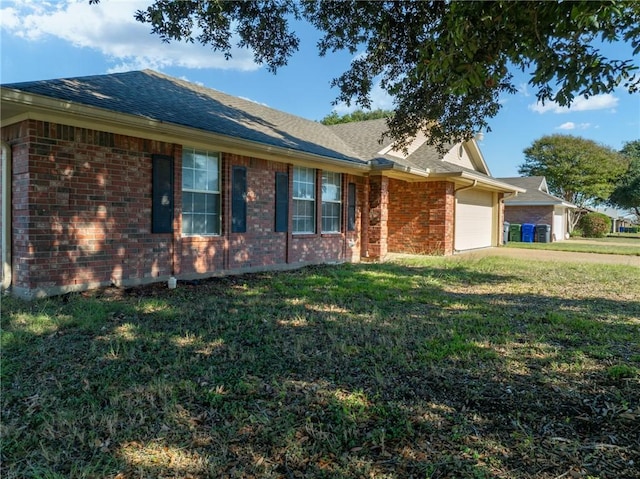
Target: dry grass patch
[[432, 367]]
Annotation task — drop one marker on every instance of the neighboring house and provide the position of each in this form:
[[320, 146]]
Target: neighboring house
[[537, 206], [137, 177], [619, 218]]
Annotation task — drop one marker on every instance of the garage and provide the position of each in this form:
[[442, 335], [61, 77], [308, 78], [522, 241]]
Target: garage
[[474, 223], [559, 224]]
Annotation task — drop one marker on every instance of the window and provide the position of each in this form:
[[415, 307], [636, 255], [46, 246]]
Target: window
[[239, 199], [351, 207], [200, 192], [331, 202], [304, 200], [282, 202]]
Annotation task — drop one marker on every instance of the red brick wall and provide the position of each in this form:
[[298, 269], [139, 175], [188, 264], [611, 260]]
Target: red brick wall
[[82, 215], [82, 207], [354, 241], [529, 214], [378, 216], [421, 217], [260, 245]]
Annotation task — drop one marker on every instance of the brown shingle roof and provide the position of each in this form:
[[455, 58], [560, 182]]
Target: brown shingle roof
[[536, 193], [148, 94], [364, 137], [152, 95]]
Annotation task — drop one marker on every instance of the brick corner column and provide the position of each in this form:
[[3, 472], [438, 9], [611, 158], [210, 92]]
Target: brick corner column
[[378, 216]]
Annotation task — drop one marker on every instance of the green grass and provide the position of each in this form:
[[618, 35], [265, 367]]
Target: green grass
[[621, 237], [614, 245], [428, 367]]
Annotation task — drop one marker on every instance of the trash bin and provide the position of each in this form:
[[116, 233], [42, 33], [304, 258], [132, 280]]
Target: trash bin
[[515, 232], [543, 233], [528, 232], [505, 233]]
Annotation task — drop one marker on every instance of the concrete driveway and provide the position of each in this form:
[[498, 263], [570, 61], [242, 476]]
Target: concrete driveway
[[555, 256]]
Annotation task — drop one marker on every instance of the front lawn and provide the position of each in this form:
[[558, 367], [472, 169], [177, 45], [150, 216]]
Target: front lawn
[[426, 368], [614, 245]]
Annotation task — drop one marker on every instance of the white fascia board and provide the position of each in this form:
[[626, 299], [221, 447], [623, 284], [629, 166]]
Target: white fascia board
[[490, 183]]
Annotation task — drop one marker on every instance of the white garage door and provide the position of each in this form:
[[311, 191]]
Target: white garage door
[[474, 220], [559, 225]]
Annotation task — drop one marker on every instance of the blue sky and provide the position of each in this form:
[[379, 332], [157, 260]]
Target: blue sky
[[67, 38]]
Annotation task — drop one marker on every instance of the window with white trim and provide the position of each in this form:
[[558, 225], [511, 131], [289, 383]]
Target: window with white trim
[[304, 200], [200, 192], [331, 202]]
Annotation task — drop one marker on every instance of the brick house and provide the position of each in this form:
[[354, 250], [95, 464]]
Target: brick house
[[537, 206], [137, 177]]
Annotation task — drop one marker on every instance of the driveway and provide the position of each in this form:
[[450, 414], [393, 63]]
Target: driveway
[[555, 256]]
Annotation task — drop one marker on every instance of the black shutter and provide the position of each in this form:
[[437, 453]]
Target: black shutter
[[239, 199], [351, 207], [162, 194], [282, 202]]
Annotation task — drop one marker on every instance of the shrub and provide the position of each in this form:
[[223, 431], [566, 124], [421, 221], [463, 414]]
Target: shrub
[[595, 225]]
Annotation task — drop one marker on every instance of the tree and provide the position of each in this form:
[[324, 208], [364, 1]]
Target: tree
[[578, 170], [444, 63], [359, 115], [627, 191]]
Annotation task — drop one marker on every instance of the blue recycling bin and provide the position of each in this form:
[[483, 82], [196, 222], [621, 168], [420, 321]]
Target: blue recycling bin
[[528, 230]]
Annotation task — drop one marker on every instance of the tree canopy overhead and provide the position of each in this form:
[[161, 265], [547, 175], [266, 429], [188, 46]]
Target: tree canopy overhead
[[444, 63]]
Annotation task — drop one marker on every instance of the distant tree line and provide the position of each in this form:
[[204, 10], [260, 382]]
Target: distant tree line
[[359, 115]]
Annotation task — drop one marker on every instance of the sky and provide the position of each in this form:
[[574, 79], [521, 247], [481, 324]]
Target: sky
[[42, 39]]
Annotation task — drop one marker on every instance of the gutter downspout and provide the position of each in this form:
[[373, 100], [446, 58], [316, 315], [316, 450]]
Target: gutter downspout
[[468, 187], [5, 214], [455, 205]]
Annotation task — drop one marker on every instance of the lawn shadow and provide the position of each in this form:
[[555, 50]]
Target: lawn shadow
[[344, 371]]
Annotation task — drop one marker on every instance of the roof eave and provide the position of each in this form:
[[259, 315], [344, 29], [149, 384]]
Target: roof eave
[[476, 153], [491, 183], [394, 170], [515, 202]]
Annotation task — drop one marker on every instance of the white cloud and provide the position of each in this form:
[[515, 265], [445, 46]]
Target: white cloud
[[569, 125], [523, 89], [110, 28], [9, 18], [606, 101], [380, 99]]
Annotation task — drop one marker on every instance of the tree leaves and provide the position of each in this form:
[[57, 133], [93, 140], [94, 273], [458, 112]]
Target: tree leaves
[[578, 170], [445, 63], [627, 191]]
